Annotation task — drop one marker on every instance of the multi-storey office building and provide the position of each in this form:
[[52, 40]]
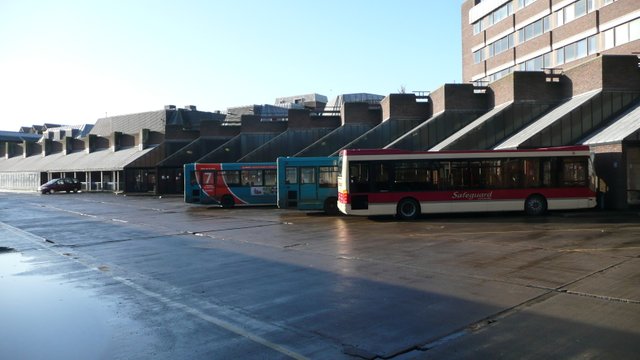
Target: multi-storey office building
[[503, 36]]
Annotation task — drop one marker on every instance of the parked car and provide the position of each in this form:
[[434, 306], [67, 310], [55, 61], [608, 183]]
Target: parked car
[[63, 184]]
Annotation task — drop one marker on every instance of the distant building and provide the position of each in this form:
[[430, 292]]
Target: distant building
[[503, 36]]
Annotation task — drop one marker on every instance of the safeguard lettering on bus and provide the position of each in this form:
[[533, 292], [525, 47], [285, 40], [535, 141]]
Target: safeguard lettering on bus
[[466, 195]]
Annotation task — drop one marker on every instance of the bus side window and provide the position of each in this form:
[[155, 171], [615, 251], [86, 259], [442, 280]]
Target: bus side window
[[459, 176], [492, 172], [291, 175], [475, 175], [328, 176], [574, 172], [307, 175], [230, 177], [381, 177], [359, 177], [513, 173], [270, 177], [549, 172], [532, 173]]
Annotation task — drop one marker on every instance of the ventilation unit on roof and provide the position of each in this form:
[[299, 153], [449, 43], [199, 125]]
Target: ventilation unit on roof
[[169, 107], [552, 74], [190, 107]]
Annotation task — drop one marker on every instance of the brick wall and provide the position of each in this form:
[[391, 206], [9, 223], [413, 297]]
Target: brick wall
[[532, 45], [360, 113], [525, 86], [458, 97], [583, 77], [500, 59], [608, 72], [575, 27], [617, 9], [405, 106], [533, 9]]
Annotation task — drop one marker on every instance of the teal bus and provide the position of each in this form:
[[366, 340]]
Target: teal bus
[[308, 183]]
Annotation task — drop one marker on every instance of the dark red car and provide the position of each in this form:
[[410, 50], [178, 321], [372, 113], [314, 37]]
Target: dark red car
[[63, 184]]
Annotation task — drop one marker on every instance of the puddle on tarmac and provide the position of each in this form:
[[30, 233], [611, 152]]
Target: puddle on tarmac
[[42, 317]]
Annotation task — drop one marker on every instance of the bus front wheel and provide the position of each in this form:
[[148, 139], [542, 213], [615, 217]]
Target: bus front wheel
[[408, 209], [227, 202], [535, 205]]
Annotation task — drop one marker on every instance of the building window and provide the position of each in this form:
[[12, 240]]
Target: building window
[[609, 39], [502, 13], [492, 18], [478, 56], [477, 27], [535, 64], [534, 30], [501, 45], [573, 11], [560, 18], [622, 34], [592, 45], [580, 8], [634, 30], [577, 50], [500, 74], [559, 56], [523, 3]]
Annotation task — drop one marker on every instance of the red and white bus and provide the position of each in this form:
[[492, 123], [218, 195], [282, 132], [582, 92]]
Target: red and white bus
[[406, 184]]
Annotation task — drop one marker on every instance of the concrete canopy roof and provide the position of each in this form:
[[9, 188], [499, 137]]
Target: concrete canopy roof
[[101, 160], [547, 120], [623, 127]]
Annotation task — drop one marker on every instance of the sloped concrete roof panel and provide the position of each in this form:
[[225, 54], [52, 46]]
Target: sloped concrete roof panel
[[474, 124], [547, 120], [623, 127], [101, 160]]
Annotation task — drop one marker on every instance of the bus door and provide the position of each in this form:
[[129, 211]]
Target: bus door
[[308, 185]]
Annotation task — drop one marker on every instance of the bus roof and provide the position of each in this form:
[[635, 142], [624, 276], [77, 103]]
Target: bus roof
[[399, 152]]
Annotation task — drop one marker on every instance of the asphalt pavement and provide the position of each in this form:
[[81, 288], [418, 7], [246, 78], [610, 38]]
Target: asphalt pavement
[[109, 276]]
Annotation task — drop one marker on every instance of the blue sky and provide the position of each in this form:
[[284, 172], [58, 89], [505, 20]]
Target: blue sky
[[72, 62]]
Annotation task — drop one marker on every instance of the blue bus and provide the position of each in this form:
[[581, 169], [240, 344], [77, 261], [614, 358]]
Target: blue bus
[[309, 183], [230, 184]]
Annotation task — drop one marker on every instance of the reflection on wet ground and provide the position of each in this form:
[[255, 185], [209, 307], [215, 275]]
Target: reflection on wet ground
[[98, 276], [43, 317]]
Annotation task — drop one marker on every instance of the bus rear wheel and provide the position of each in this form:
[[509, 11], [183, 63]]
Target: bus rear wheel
[[331, 205], [535, 205], [408, 209], [227, 202]]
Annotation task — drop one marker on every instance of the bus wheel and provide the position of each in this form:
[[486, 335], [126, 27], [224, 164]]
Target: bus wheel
[[331, 205], [408, 209], [535, 205], [227, 202]]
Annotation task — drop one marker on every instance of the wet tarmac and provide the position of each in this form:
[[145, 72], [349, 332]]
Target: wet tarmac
[[115, 277]]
